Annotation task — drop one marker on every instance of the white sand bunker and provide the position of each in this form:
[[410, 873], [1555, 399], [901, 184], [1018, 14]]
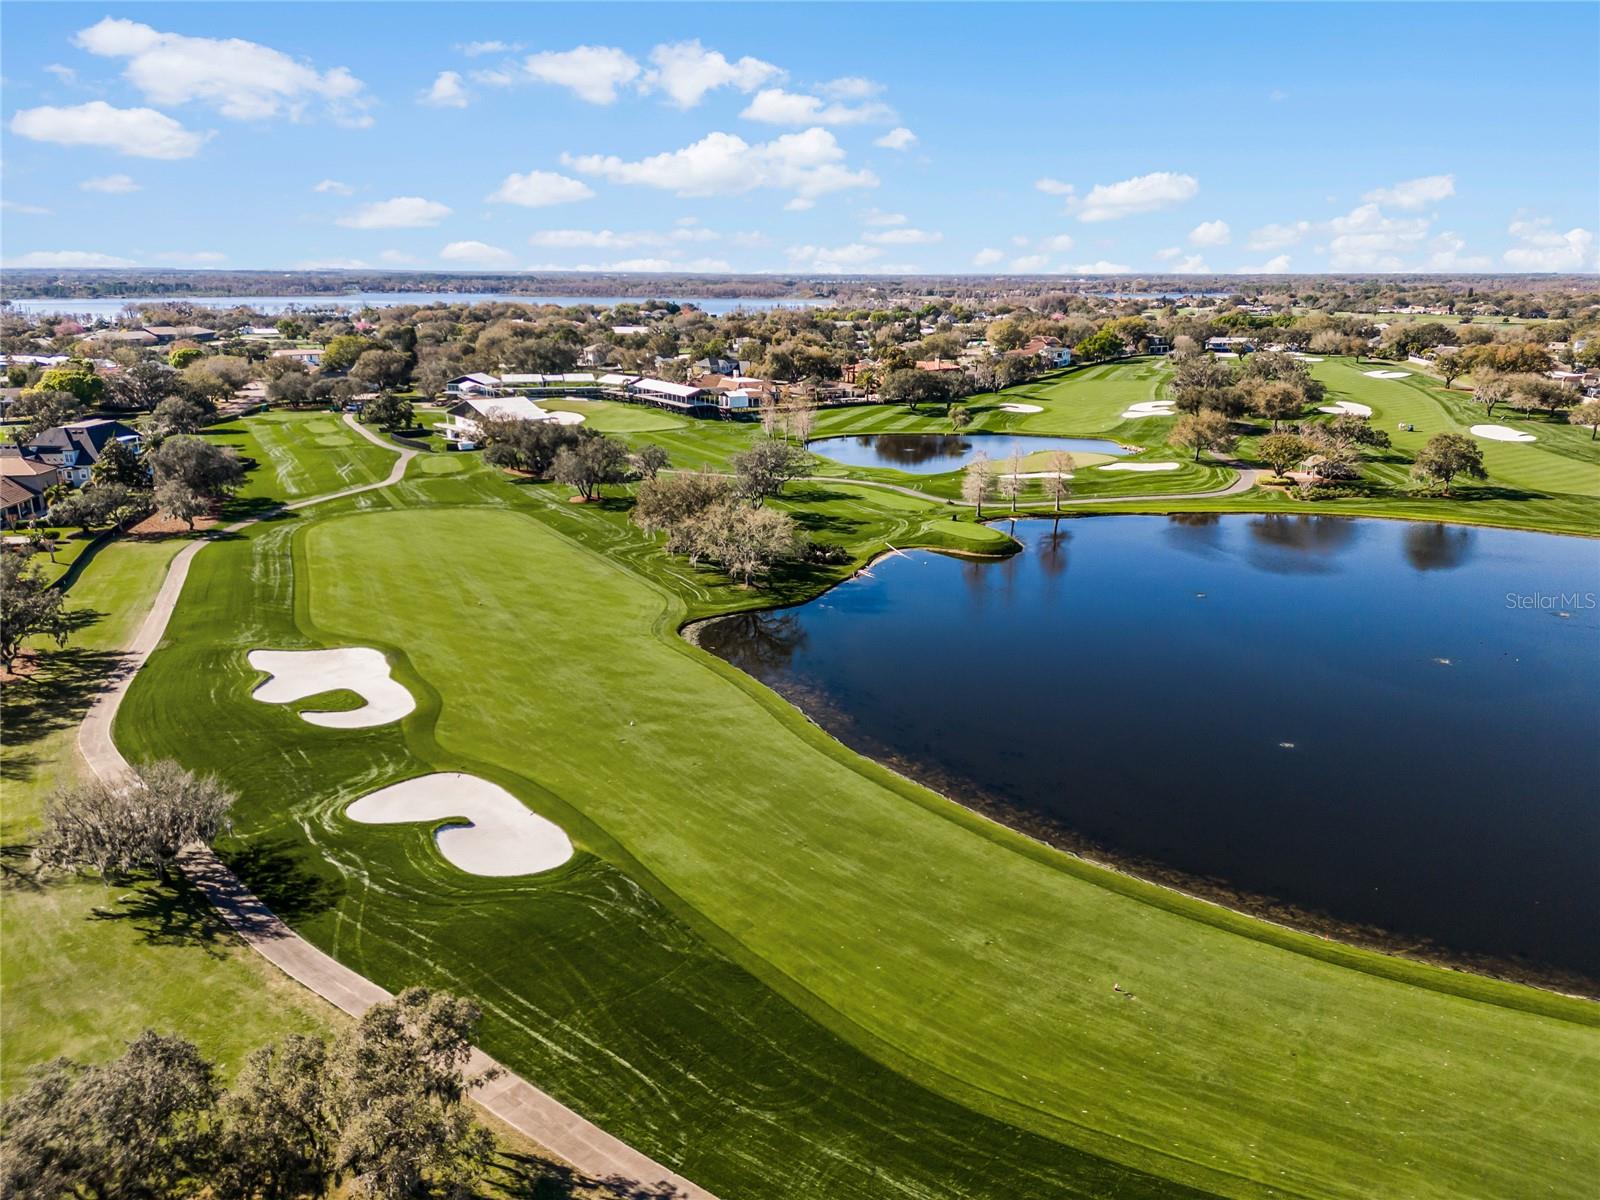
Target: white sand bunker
[[1501, 433], [1021, 408], [566, 418], [1339, 407], [502, 837], [297, 674], [1148, 408], [1387, 374], [1309, 358], [1161, 466]]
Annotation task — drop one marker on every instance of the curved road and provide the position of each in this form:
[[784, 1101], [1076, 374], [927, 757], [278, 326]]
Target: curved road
[[509, 1097]]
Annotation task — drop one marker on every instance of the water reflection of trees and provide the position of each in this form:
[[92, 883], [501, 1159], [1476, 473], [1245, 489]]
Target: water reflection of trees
[[1296, 545], [1053, 549], [1437, 547], [913, 449], [760, 644]]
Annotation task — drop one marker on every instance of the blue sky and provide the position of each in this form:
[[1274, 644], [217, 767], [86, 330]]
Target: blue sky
[[1033, 138]]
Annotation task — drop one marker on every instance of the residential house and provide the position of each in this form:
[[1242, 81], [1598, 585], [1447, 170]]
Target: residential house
[[596, 354], [306, 356], [74, 449], [174, 333], [1230, 345], [1048, 350], [1157, 343], [715, 364], [128, 337], [23, 483]]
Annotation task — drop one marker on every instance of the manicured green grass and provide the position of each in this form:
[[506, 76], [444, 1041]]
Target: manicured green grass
[[973, 962], [87, 967], [301, 454]]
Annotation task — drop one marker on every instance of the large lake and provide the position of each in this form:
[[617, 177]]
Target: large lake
[[935, 453], [1392, 725], [108, 307]]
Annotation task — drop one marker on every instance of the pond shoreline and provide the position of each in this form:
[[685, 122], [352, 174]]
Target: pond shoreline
[[1061, 837]]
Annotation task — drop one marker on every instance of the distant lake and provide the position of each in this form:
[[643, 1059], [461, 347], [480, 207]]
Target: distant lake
[[1387, 723], [107, 307], [935, 453]]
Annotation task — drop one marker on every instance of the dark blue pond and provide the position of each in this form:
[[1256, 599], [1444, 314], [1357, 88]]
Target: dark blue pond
[[1381, 727], [936, 453]]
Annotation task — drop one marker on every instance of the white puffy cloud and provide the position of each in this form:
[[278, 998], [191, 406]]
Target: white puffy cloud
[[27, 210], [686, 71], [111, 185], [477, 49], [809, 163], [1101, 268], [987, 257], [1058, 242], [833, 259], [477, 253], [240, 79], [540, 189], [1192, 264], [592, 73], [903, 237], [1169, 253], [1366, 239], [876, 216], [774, 106], [1541, 248], [1276, 265], [69, 259], [398, 258], [446, 91], [334, 186], [850, 87], [899, 138], [65, 74], [1143, 193], [799, 204], [641, 264], [1414, 194], [1277, 237], [136, 132], [1054, 187], [1210, 233], [1030, 263], [1446, 255], [332, 264], [402, 212]]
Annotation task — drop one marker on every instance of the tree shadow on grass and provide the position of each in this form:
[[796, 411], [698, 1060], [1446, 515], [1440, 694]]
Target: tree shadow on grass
[[524, 1177], [57, 695], [273, 872], [169, 913]]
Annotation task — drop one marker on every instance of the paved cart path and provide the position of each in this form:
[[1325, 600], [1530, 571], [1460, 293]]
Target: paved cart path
[[510, 1098]]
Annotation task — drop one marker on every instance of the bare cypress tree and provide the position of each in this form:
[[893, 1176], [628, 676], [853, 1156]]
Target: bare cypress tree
[[977, 485]]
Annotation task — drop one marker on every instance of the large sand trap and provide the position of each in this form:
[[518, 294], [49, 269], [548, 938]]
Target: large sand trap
[[1339, 407], [1148, 408], [1501, 433], [1387, 374], [1021, 408], [1162, 466], [297, 674], [503, 837], [566, 418], [1309, 358]]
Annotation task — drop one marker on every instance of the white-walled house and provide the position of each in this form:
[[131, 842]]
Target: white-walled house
[[464, 428]]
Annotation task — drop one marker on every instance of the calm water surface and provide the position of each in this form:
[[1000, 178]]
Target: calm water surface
[[935, 453], [112, 306], [1390, 724]]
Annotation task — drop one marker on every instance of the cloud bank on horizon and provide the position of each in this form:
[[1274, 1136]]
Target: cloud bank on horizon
[[785, 143]]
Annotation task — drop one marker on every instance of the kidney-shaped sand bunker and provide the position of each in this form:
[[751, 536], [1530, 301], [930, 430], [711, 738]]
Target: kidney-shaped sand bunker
[[297, 674], [503, 837]]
